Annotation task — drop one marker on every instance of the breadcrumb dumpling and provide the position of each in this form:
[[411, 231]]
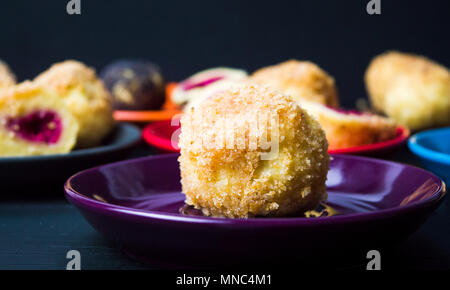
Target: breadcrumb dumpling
[[252, 151], [302, 80], [411, 89]]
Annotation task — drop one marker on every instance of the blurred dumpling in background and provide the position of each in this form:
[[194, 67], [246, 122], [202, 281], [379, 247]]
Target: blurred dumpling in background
[[7, 78], [86, 97], [411, 89], [302, 80], [192, 91], [345, 128]]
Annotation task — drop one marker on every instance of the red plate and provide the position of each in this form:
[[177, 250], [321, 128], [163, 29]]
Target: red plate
[[159, 134]]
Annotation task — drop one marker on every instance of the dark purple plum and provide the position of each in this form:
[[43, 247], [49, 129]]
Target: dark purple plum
[[134, 85]]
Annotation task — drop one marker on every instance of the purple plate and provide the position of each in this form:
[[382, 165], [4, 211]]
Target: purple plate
[[137, 204]]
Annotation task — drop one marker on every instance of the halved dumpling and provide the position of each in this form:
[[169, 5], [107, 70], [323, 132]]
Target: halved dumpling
[[345, 128], [34, 121], [198, 87]]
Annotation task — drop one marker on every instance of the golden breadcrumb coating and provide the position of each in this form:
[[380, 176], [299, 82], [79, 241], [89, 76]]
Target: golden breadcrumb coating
[[25, 98], [411, 89], [7, 78], [350, 129], [85, 95], [302, 80], [227, 167], [208, 91]]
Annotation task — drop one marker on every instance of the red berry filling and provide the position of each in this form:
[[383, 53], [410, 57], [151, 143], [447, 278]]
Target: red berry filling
[[189, 84], [42, 126]]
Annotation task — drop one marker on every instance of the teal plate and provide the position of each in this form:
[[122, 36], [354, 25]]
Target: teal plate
[[48, 172]]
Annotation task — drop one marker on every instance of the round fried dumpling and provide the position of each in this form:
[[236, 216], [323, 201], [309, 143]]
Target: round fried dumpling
[[302, 80], [252, 151], [34, 121], [86, 97], [7, 78], [411, 89]]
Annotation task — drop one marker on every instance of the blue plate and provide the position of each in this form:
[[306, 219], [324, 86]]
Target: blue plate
[[48, 172], [433, 149]]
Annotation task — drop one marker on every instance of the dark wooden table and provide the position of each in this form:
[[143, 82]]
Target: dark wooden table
[[36, 232]]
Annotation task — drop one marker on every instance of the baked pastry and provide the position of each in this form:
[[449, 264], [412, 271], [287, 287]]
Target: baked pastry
[[7, 78], [34, 121], [86, 97], [204, 84], [302, 80], [252, 151], [411, 89], [346, 129], [134, 85]]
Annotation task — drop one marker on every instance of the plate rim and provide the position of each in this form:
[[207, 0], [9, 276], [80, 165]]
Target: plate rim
[[80, 200], [81, 152], [154, 140]]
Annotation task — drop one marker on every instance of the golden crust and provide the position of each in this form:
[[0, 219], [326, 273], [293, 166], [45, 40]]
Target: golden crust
[[411, 89], [25, 98], [7, 78], [349, 130], [236, 176], [302, 80], [85, 95]]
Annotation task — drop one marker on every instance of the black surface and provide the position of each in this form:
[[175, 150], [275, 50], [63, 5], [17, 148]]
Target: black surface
[[37, 232], [184, 37]]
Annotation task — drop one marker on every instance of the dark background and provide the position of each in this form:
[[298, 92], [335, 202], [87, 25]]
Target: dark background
[[184, 36]]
